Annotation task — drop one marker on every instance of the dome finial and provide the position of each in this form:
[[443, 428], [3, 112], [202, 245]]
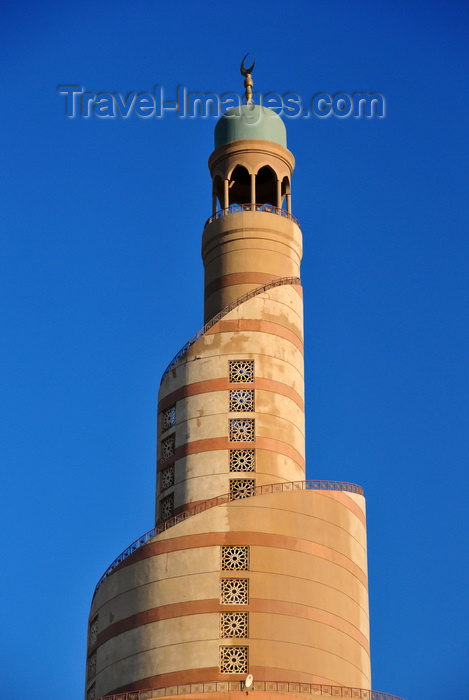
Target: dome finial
[[248, 82]]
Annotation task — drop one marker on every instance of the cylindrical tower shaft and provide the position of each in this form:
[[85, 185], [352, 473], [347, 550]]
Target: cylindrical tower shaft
[[251, 569]]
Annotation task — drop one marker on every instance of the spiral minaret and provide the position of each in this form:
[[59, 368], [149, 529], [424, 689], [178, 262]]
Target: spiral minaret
[[253, 577]]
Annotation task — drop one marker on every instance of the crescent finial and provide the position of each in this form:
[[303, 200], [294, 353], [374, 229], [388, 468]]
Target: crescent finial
[[246, 71]]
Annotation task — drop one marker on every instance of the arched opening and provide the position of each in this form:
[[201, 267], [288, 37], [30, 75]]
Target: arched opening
[[266, 186], [217, 194], [240, 186], [286, 194]]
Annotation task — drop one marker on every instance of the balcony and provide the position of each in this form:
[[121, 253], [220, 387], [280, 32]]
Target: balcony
[[235, 208], [281, 487]]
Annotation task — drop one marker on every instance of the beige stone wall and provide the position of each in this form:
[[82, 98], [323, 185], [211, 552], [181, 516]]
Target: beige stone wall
[[199, 387], [159, 614], [244, 250]]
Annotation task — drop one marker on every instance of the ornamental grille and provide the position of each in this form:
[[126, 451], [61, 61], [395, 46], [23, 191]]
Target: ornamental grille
[[167, 478], [167, 507], [235, 557], [92, 665], [234, 591], [91, 694], [233, 624], [168, 445], [242, 488], [234, 659], [93, 634], [242, 430], [242, 461], [168, 418], [241, 399], [241, 371]]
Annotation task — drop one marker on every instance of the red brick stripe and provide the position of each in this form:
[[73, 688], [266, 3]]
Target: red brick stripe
[[223, 384], [256, 325], [256, 605], [259, 539], [255, 278], [222, 443]]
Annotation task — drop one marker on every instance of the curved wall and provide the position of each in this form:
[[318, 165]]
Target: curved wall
[[159, 613], [267, 331], [245, 249]]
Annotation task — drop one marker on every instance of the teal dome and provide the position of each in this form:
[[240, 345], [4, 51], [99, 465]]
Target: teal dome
[[250, 121]]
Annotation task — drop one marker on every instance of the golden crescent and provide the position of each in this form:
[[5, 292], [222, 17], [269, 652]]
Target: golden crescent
[[246, 71]]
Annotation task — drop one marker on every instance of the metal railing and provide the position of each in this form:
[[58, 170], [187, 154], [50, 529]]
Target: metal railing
[[235, 208], [281, 487], [312, 689], [278, 282]]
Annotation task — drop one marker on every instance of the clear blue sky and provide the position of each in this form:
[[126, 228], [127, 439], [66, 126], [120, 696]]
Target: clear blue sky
[[101, 283]]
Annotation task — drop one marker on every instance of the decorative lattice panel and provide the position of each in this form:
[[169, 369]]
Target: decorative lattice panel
[[168, 418], [92, 665], [235, 557], [233, 624], [167, 477], [91, 693], [242, 488], [234, 591], [167, 507], [234, 659], [241, 371], [242, 430], [168, 446], [94, 629], [241, 400], [242, 461]]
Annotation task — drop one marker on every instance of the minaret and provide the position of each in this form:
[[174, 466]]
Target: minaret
[[253, 577]]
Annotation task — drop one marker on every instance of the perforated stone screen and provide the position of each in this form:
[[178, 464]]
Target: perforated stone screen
[[94, 628], [233, 624], [234, 591], [92, 665], [242, 430], [241, 400], [234, 659], [167, 477], [242, 488], [168, 446], [235, 557], [241, 371], [168, 418], [167, 507], [242, 461]]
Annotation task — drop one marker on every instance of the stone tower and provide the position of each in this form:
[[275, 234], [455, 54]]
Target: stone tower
[[252, 578]]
